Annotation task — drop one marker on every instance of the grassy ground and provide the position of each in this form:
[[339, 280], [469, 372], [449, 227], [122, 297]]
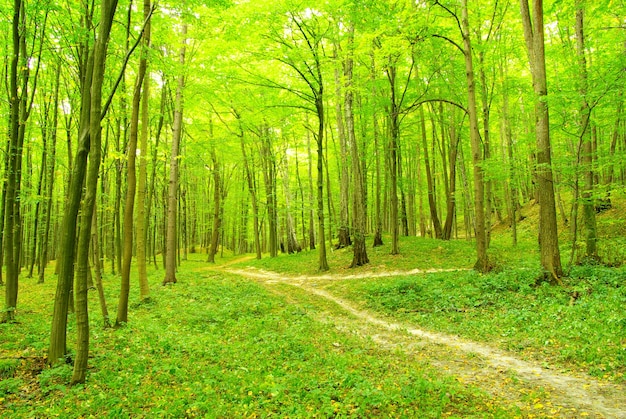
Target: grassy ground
[[579, 326], [216, 345]]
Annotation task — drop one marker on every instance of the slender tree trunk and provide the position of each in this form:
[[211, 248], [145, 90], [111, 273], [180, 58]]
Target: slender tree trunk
[[446, 234], [344, 178], [217, 193], [253, 197], [11, 223], [91, 189], [129, 206], [97, 268], [359, 212], [589, 210], [142, 220], [319, 105], [43, 255], [378, 235], [269, 176], [170, 253], [311, 194], [482, 264], [548, 233], [432, 205], [394, 130]]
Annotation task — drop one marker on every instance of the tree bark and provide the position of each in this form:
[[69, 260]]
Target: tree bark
[[170, 241], [548, 232], [482, 264], [344, 178], [217, 194], [589, 208], [142, 220], [359, 213], [131, 189], [91, 188], [432, 205]]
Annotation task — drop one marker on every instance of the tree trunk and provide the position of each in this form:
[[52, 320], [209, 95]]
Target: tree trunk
[[129, 207], [589, 210], [432, 205], [43, 255], [217, 194], [142, 220], [548, 233], [311, 194], [170, 241], [97, 268], [446, 234], [319, 138], [253, 197], [269, 176], [344, 178], [91, 188], [11, 224], [482, 264], [378, 220], [394, 131], [359, 214]]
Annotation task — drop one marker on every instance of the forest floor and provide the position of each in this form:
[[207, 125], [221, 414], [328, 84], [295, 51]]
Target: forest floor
[[530, 385]]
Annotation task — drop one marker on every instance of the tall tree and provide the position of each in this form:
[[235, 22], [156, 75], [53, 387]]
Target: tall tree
[[548, 233], [142, 218], [131, 180], [11, 223], [172, 191], [359, 213], [589, 210]]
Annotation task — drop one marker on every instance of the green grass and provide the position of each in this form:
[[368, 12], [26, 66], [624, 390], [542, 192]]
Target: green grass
[[580, 326], [504, 308], [216, 345]]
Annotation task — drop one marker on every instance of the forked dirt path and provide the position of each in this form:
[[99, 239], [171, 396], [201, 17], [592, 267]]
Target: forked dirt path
[[538, 391]]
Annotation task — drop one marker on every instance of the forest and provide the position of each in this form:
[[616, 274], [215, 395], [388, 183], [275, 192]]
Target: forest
[[287, 207]]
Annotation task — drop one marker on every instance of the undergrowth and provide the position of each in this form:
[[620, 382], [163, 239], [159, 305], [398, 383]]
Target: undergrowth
[[581, 325], [219, 346]]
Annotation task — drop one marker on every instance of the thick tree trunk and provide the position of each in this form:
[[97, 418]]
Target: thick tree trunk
[[548, 232], [171, 239]]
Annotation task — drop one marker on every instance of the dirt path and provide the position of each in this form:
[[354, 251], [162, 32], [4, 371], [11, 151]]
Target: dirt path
[[538, 391]]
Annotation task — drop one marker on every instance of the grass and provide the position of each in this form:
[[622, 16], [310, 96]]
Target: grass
[[580, 326], [220, 346]]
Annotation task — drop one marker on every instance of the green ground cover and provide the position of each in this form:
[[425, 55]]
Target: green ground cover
[[580, 325], [216, 345]]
